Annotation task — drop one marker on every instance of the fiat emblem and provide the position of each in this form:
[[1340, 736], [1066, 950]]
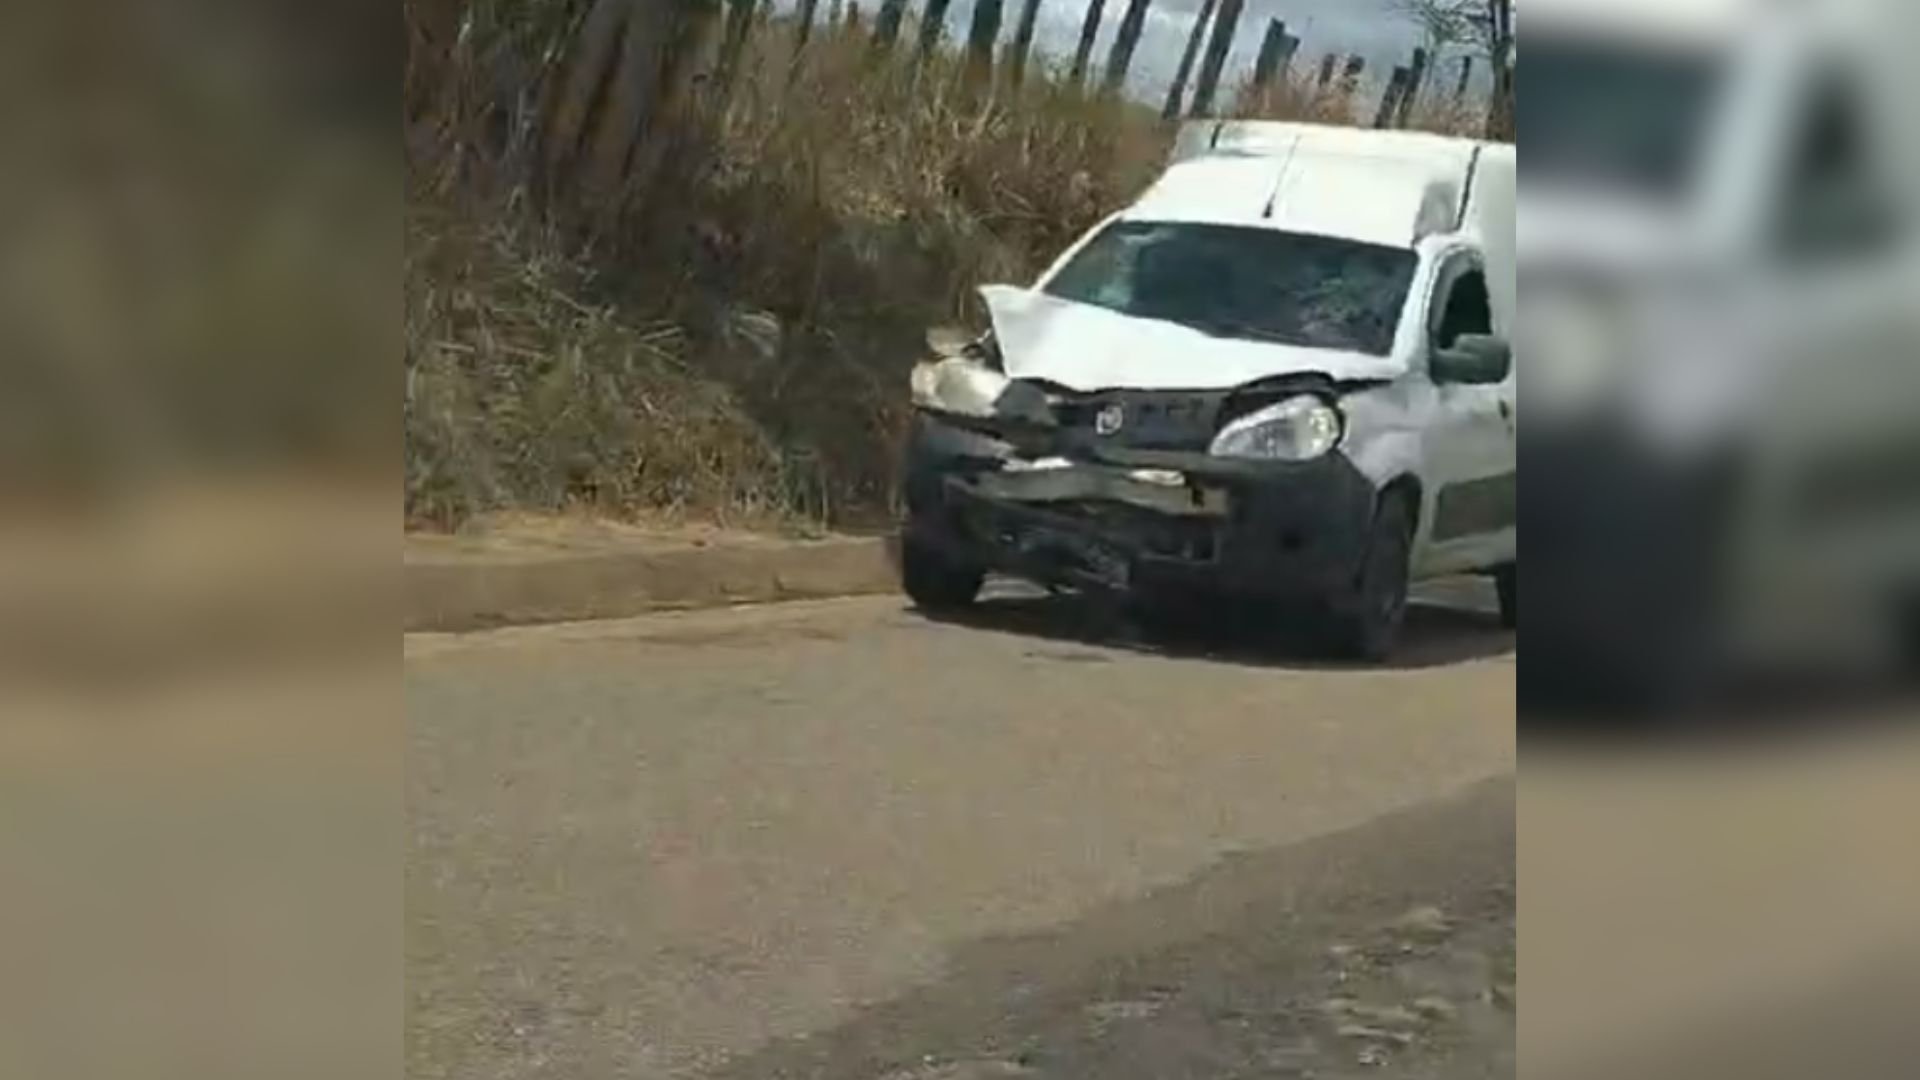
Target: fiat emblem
[[1110, 419]]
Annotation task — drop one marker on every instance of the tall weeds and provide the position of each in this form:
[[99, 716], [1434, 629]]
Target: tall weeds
[[734, 340], [728, 334]]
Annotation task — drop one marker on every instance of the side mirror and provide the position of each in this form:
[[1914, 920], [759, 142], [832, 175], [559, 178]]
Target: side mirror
[[1474, 359]]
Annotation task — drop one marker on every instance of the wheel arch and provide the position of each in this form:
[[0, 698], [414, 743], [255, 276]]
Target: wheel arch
[[1414, 488]]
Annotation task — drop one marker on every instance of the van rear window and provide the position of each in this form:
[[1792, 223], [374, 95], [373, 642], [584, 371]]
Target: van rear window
[[1240, 282]]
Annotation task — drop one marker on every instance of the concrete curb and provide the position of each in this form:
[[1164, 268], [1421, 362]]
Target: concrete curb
[[468, 594]]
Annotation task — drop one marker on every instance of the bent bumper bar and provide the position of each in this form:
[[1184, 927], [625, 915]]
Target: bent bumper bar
[[1177, 521]]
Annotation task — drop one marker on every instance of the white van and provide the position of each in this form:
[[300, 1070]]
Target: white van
[[1282, 374], [1724, 350]]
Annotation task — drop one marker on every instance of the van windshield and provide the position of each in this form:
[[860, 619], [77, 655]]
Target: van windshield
[[1615, 114], [1241, 282]]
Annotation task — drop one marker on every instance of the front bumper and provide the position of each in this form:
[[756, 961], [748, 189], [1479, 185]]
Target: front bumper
[[1146, 520]]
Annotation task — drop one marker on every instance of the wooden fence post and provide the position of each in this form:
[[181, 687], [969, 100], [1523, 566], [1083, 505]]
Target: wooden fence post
[[1289, 48], [803, 24], [1269, 59], [1171, 110], [626, 73], [933, 27], [1016, 57], [1501, 121], [1416, 77], [802, 32], [1226, 20], [886, 25], [982, 36], [1390, 100], [733, 42], [1120, 57], [1089, 29]]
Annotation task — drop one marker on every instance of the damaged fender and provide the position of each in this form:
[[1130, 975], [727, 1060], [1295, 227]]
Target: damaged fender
[[1386, 427]]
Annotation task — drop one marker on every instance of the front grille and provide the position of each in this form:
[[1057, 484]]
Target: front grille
[[1149, 420]]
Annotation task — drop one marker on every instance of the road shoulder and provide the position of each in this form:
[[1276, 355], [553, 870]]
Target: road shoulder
[[560, 571]]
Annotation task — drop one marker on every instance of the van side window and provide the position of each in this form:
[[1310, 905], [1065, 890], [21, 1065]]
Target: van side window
[[1832, 203], [1463, 307]]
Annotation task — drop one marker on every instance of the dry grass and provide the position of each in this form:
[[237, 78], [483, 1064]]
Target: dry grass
[[522, 393], [737, 344], [734, 342], [1297, 98]]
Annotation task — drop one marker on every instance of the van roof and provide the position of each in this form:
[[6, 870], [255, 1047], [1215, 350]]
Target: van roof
[[1380, 187], [1674, 21]]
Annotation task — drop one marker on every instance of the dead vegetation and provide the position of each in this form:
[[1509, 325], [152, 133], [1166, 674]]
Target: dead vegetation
[[655, 264], [712, 318]]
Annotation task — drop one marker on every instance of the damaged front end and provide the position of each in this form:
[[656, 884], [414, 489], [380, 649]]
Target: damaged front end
[[1129, 489]]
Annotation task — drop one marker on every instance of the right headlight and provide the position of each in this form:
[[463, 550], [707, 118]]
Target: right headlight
[[1300, 428]]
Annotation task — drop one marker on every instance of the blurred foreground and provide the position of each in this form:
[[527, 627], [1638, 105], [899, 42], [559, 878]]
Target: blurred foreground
[[1744, 910], [199, 732], [200, 806], [1718, 261]]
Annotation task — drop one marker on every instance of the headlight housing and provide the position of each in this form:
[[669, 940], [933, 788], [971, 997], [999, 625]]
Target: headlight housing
[[1300, 428], [957, 385]]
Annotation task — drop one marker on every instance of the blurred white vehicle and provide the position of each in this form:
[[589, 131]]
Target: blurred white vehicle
[[1722, 317]]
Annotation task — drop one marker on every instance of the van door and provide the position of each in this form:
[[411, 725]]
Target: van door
[[1491, 221], [1471, 447], [1834, 515]]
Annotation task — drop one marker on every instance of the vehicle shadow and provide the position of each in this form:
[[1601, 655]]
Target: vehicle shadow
[[1448, 627]]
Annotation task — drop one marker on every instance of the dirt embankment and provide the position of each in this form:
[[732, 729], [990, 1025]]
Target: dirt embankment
[[710, 312], [725, 334]]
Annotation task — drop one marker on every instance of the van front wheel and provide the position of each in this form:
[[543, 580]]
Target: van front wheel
[[932, 581], [1365, 623], [1506, 582]]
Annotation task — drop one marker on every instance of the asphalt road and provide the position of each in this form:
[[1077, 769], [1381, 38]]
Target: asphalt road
[[842, 840]]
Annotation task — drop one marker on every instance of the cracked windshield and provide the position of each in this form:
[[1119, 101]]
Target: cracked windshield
[[1253, 283]]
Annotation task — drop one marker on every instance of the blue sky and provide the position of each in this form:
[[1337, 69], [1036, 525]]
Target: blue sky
[[1373, 28], [1369, 27]]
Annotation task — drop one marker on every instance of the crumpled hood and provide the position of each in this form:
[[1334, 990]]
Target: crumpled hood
[[1088, 348]]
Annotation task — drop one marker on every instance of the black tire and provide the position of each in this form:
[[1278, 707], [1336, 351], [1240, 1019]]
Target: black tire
[[1906, 627], [1506, 581], [934, 582], [1365, 623]]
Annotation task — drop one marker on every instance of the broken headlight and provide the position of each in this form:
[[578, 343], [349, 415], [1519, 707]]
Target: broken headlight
[[1297, 429], [957, 385]]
